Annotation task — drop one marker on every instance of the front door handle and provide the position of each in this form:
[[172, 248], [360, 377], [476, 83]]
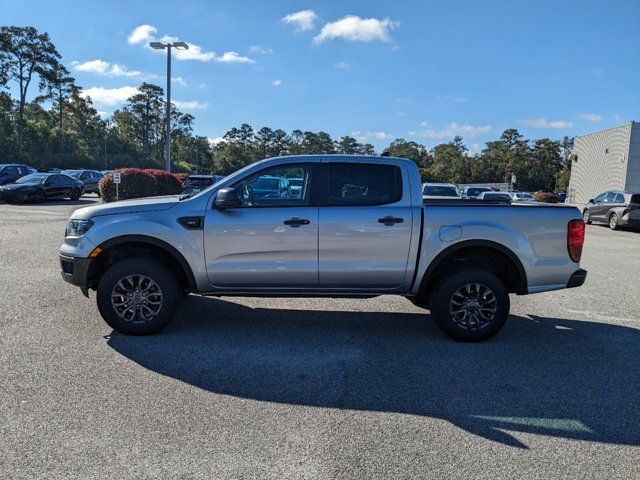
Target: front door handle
[[295, 222], [390, 220]]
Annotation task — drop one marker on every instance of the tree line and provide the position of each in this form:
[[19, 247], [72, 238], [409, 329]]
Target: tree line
[[51, 123]]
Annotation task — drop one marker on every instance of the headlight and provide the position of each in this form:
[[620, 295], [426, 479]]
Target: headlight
[[77, 228]]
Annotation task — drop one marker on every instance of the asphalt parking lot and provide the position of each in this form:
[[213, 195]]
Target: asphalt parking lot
[[314, 388]]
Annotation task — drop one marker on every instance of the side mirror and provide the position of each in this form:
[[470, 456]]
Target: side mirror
[[227, 198], [590, 200]]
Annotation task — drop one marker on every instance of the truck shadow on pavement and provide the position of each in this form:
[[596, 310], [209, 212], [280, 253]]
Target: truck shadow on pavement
[[548, 376]]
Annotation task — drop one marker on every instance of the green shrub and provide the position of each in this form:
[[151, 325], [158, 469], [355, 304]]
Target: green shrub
[[134, 183], [546, 197], [168, 183]]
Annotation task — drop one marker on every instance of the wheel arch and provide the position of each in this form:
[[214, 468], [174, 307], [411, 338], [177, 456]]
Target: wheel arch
[[129, 245], [500, 260]]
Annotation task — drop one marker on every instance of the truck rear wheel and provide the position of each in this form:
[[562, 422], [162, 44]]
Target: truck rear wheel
[[470, 305], [138, 296]]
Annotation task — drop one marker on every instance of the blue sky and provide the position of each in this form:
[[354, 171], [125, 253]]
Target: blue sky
[[378, 70]]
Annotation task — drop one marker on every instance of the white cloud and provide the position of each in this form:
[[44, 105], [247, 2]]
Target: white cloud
[[368, 136], [260, 49], [475, 148], [145, 34], [451, 130], [109, 97], [100, 67], [142, 33], [302, 20], [590, 117], [215, 140], [341, 65], [544, 123], [233, 57], [276, 83], [190, 105], [354, 28], [597, 71]]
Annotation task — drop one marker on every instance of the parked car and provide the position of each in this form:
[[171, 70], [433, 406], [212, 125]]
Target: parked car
[[195, 183], [439, 190], [460, 261], [38, 187], [270, 187], [616, 208], [562, 196], [522, 197], [89, 178], [495, 196], [296, 185], [10, 172], [473, 192]]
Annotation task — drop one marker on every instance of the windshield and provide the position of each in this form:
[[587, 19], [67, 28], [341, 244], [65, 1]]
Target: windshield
[[34, 178], [440, 191], [266, 183], [477, 191], [198, 182], [295, 182], [496, 196], [72, 173]]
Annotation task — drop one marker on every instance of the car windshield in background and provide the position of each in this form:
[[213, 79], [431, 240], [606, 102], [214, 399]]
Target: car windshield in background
[[267, 183], [496, 196], [440, 191], [476, 191], [295, 182], [34, 178], [73, 173], [198, 182]]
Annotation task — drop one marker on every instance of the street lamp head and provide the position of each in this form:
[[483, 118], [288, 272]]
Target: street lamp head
[[157, 45], [180, 45]]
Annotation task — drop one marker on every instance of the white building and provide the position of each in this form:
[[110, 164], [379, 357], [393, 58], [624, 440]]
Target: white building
[[605, 160]]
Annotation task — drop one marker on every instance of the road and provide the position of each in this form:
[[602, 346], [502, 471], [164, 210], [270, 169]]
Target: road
[[315, 388]]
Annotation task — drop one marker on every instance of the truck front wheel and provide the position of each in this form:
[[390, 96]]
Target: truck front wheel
[[470, 305], [138, 296]]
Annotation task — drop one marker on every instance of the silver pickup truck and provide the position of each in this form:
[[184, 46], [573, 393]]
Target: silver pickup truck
[[352, 226]]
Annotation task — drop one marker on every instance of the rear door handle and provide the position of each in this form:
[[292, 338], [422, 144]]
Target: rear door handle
[[390, 220], [295, 222]]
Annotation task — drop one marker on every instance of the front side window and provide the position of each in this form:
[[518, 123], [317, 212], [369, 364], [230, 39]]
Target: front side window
[[600, 198], [353, 184], [270, 187], [610, 197]]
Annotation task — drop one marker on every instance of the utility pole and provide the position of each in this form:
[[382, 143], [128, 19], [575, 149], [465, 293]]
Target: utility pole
[[168, 46]]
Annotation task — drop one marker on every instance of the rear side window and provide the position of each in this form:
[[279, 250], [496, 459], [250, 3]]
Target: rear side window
[[352, 184], [619, 198], [610, 197]]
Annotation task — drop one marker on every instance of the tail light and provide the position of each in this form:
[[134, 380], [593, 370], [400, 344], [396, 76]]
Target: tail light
[[575, 239]]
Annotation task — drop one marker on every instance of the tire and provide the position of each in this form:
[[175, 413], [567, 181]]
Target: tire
[[586, 217], [75, 195], [147, 317], [476, 285], [613, 221]]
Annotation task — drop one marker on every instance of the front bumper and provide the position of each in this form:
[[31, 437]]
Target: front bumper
[[578, 278], [75, 270]]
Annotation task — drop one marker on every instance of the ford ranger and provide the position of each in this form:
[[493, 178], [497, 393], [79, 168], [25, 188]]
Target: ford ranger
[[356, 226]]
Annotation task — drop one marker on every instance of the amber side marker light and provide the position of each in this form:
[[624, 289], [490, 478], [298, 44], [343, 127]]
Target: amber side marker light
[[575, 239], [95, 253]]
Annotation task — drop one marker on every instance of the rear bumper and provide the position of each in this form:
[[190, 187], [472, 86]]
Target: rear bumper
[[578, 278], [75, 270]]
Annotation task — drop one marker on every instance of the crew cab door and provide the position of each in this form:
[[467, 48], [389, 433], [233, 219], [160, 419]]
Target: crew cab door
[[271, 239], [365, 226]]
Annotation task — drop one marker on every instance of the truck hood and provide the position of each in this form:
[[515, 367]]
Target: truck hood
[[149, 204]]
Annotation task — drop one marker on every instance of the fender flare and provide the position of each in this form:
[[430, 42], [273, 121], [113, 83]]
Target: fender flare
[[156, 242], [521, 288]]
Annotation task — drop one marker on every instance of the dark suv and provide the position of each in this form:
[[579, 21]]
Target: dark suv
[[617, 208], [10, 172], [89, 178]]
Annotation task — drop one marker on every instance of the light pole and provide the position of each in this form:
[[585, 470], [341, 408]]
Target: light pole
[[107, 124], [168, 46]]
